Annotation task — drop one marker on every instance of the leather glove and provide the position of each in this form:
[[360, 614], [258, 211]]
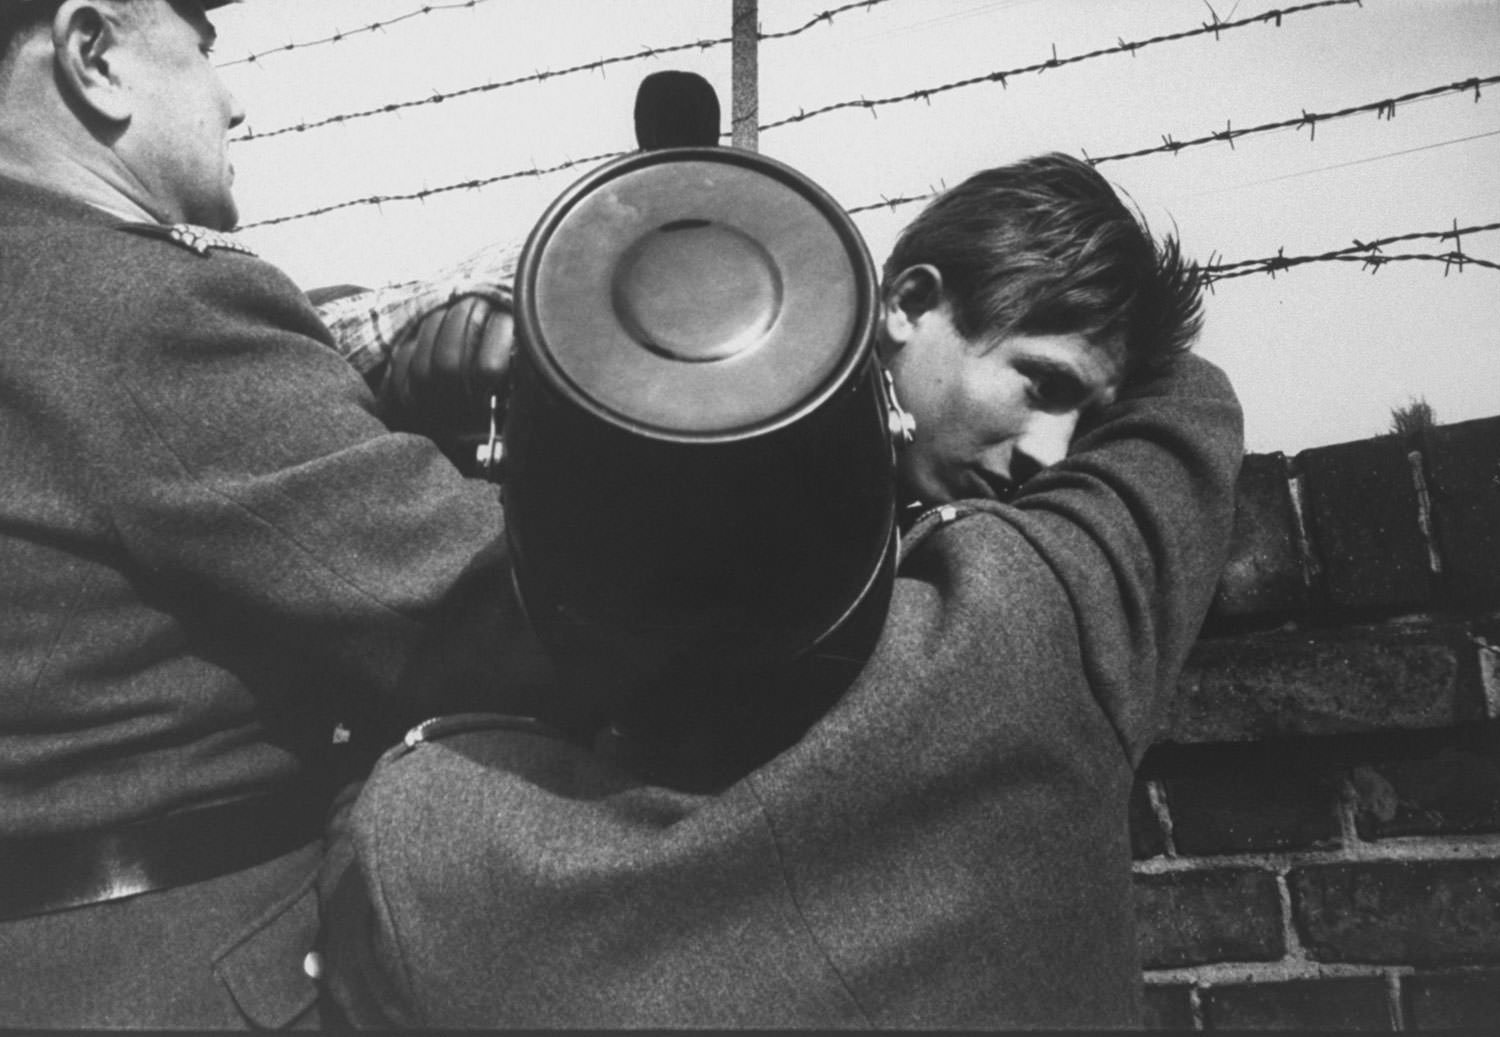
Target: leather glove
[[442, 376]]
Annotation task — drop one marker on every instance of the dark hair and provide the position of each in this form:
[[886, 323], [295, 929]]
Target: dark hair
[[1045, 246]]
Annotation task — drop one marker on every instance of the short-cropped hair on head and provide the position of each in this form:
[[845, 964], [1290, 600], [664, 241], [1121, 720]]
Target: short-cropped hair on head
[[1045, 246], [18, 18]]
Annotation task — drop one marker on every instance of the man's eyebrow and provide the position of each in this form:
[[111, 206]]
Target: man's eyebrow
[[1048, 362]]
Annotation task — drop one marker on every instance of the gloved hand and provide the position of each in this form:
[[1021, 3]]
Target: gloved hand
[[442, 376]]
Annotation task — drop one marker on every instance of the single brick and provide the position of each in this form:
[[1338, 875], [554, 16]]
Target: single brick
[[1363, 516], [1197, 917], [1463, 469], [1261, 686], [1399, 912], [1241, 806], [1333, 1004], [1147, 839], [1264, 573], [1456, 791], [1169, 1007], [1467, 999]]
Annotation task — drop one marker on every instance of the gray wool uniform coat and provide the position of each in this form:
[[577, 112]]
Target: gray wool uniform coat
[[211, 551], [946, 847]]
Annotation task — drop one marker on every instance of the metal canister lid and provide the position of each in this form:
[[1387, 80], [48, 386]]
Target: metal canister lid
[[696, 294]]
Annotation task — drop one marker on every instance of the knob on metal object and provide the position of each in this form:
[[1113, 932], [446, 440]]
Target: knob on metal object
[[699, 465], [490, 454]]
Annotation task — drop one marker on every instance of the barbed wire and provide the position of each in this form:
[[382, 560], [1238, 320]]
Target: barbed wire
[[822, 18], [597, 65], [1001, 76], [340, 37], [1385, 109], [1370, 254], [428, 192], [894, 203]]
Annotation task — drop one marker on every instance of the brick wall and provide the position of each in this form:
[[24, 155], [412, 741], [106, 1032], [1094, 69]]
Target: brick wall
[[1317, 838]]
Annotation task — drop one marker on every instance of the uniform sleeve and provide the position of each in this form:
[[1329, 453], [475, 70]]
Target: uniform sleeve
[[1132, 530], [946, 847], [253, 476]]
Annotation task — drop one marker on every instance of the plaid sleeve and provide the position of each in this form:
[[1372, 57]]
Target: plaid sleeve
[[367, 326]]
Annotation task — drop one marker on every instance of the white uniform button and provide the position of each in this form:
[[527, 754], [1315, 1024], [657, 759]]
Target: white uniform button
[[313, 965]]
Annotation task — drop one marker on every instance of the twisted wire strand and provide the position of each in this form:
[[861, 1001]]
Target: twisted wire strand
[[1213, 28], [340, 37], [1369, 253], [428, 192]]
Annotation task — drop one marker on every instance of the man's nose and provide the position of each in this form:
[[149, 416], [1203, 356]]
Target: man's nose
[[236, 111], [1043, 442]]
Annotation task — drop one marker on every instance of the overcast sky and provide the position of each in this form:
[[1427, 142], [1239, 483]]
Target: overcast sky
[[1320, 354]]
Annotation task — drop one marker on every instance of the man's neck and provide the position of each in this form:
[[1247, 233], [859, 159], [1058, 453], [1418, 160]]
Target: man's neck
[[75, 180]]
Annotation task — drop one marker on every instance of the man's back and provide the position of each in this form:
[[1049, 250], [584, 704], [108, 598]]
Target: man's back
[[214, 552]]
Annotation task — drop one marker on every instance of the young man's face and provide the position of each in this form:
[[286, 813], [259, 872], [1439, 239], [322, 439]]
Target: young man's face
[[989, 413]]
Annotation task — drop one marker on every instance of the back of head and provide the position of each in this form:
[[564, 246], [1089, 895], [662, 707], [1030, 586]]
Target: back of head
[[18, 18], [1045, 246]]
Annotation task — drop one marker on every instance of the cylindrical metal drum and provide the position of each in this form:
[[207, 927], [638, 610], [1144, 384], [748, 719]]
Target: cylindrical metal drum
[[699, 471]]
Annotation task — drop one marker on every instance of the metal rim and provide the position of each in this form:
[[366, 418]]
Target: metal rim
[[529, 322]]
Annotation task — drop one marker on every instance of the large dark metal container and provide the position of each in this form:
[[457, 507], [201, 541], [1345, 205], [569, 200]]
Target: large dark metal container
[[699, 471]]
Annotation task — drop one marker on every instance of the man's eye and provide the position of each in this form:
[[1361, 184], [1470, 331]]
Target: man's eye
[[1053, 391]]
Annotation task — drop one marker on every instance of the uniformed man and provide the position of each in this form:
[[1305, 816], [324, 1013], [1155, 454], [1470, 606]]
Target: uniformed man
[[948, 845], [214, 552]]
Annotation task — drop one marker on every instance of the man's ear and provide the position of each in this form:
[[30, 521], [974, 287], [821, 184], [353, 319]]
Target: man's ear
[[85, 38], [907, 297]]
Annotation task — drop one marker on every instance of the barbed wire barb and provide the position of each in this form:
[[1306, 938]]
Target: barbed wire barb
[[1458, 248], [1454, 234], [1215, 16]]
